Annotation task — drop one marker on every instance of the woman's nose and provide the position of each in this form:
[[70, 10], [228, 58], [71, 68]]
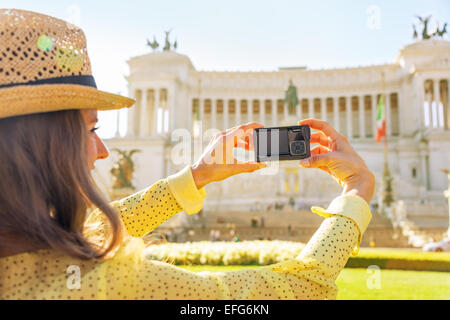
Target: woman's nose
[[102, 149]]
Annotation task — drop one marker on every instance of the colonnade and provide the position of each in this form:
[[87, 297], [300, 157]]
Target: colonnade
[[152, 113], [436, 104], [354, 116]]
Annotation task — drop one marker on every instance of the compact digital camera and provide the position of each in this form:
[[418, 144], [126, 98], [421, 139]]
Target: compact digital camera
[[282, 143]]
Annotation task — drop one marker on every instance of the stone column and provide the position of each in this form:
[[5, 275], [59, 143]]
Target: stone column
[[225, 114], [170, 108], [274, 113], [447, 109], [250, 110], [421, 101], [323, 109], [348, 108], [214, 113], [374, 106], [189, 115], [117, 135], [362, 118], [336, 113], [437, 100], [262, 111], [238, 113], [150, 110], [156, 104], [202, 111], [311, 107], [399, 118], [430, 107], [144, 114], [171, 102], [131, 115], [388, 114]]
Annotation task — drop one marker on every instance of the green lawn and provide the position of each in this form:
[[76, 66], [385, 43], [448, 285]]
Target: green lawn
[[394, 284]]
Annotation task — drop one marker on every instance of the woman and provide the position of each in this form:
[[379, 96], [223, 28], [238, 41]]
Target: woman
[[50, 249]]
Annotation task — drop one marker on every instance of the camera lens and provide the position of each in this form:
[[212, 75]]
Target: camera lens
[[298, 148]]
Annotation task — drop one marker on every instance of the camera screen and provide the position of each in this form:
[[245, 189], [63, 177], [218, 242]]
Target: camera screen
[[272, 142], [282, 143]]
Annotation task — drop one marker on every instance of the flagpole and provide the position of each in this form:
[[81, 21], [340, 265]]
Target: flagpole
[[383, 85], [387, 179], [385, 140]]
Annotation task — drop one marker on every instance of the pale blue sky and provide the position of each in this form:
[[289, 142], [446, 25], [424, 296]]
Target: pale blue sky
[[241, 34]]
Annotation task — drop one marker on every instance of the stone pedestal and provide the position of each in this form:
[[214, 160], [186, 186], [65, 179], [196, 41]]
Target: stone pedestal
[[447, 195]]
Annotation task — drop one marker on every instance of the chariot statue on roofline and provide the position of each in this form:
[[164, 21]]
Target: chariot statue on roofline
[[425, 22]]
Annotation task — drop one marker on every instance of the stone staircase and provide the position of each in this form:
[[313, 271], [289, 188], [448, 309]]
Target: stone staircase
[[302, 224], [286, 224]]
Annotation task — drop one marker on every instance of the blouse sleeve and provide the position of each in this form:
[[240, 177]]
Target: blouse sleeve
[[144, 211], [311, 275]]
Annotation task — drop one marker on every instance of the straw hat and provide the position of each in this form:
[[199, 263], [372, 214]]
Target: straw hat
[[44, 67]]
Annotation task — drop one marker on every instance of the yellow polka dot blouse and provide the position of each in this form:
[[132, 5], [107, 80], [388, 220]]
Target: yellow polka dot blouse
[[46, 274]]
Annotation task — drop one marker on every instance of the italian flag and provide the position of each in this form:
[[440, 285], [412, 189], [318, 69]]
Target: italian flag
[[381, 120]]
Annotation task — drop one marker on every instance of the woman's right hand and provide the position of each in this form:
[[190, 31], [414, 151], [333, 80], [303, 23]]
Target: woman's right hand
[[336, 156], [218, 161]]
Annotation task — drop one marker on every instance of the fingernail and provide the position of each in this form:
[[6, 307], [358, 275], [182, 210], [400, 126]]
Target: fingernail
[[304, 162]]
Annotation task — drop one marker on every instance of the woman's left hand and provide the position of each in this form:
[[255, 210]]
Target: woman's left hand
[[218, 162]]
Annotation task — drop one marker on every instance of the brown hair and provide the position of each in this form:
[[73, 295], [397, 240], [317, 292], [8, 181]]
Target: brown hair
[[46, 186]]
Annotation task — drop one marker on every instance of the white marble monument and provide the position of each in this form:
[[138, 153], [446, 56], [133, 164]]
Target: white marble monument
[[171, 95]]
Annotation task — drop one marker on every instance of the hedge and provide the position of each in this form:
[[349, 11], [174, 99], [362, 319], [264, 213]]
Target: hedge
[[270, 252], [401, 259]]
